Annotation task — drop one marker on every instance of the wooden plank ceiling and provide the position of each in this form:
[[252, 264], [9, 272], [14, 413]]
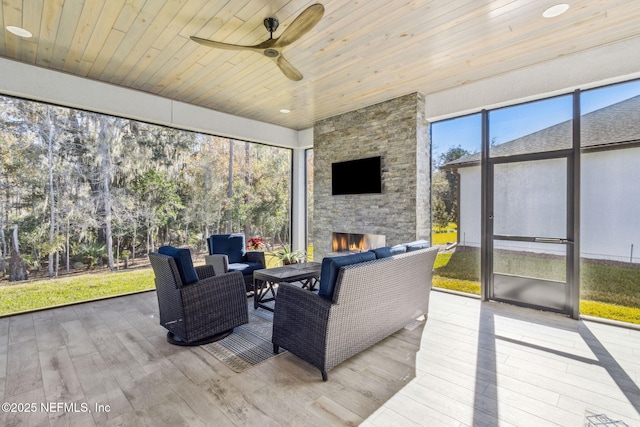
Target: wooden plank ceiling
[[362, 52]]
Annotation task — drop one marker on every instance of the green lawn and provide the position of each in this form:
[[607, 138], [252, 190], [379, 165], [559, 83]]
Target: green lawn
[[610, 311], [443, 236], [608, 291], [51, 292]]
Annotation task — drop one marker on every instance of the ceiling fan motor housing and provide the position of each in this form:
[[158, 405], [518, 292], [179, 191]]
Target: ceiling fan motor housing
[[271, 24]]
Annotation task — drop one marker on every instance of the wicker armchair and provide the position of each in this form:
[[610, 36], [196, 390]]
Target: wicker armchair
[[227, 252], [200, 312], [371, 300]]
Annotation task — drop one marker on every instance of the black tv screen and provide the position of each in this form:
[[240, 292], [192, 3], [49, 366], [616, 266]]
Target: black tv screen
[[362, 176]]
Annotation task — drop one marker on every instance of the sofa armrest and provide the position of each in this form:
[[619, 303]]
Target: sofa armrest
[[300, 323], [205, 271], [256, 256], [219, 262]]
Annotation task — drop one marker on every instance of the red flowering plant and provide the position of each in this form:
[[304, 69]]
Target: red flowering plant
[[256, 244]]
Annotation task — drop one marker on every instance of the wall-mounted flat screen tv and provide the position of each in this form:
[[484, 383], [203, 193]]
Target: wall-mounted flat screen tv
[[361, 176]]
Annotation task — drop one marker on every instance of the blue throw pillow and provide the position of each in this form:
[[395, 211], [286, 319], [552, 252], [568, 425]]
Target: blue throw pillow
[[331, 268], [388, 251], [231, 245], [184, 263], [418, 244]]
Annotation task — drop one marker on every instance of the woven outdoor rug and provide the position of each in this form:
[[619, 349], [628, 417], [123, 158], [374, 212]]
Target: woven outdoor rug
[[248, 345]]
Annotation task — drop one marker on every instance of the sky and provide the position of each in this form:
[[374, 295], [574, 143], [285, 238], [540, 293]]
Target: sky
[[509, 123]]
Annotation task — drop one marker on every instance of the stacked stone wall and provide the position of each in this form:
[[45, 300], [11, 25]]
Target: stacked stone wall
[[397, 131]]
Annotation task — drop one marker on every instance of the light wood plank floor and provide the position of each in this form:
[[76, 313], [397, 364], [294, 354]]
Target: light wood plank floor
[[470, 364]]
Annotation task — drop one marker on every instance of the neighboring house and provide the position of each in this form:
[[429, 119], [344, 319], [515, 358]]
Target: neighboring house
[[610, 186]]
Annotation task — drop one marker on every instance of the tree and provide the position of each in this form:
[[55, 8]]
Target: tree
[[99, 139], [444, 188], [110, 129], [33, 135], [48, 133], [269, 208], [206, 182], [18, 270], [158, 202]]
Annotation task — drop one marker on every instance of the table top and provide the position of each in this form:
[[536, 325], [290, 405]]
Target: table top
[[291, 272]]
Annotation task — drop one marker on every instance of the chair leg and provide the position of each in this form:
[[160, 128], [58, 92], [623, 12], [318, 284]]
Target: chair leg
[[325, 376], [276, 349], [248, 283]]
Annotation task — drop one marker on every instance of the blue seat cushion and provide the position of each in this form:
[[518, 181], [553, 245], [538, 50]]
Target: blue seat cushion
[[245, 268], [184, 263], [331, 268], [388, 251], [231, 245], [418, 244]]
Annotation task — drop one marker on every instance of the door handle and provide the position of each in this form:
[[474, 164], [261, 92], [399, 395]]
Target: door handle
[[550, 240]]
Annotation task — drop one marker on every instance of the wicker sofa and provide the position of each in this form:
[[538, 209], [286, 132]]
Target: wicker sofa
[[370, 301]]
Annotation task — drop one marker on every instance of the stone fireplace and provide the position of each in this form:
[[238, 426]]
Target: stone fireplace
[[353, 242], [398, 132]]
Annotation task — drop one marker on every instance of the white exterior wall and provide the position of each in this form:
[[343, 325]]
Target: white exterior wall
[[610, 206], [470, 207], [610, 215]]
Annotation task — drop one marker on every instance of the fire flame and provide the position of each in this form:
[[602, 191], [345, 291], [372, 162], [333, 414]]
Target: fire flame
[[345, 242]]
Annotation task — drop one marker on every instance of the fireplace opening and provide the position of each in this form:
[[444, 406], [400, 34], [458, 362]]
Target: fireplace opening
[[352, 242]]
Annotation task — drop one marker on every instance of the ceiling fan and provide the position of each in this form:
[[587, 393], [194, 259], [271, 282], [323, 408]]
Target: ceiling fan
[[272, 48]]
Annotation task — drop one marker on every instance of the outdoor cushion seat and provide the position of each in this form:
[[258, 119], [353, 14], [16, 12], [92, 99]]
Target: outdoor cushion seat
[[199, 312], [245, 268]]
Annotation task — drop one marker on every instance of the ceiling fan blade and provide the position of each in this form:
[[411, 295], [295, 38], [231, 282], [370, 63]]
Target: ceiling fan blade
[[301, 25], [289, 70], [228, 46]]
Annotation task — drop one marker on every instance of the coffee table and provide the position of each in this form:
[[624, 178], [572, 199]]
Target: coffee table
[[266, 281]]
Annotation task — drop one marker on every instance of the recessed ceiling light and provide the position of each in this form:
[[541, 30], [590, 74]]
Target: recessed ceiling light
[[285, 111], [18, 31], [556, 10]]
